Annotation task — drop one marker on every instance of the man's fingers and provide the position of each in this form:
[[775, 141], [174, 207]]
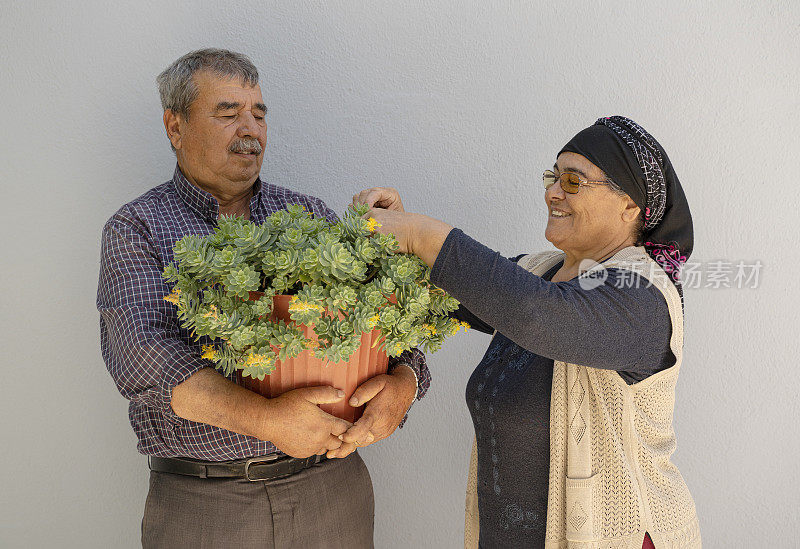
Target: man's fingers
[[369, 440], [348, 448], [339, 426], [359, 431], [322, 395], [332, 443], [368, 390], [343, 451]]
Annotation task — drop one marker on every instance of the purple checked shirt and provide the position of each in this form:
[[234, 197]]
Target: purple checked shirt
[[145, 349]]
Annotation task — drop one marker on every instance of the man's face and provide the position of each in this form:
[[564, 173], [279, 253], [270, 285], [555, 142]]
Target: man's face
[[221, 145]]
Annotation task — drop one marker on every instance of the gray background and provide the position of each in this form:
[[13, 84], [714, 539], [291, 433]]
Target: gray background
[[461, 106]]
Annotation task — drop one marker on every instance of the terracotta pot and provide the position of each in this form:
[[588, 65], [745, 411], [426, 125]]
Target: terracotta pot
[[307, 371]]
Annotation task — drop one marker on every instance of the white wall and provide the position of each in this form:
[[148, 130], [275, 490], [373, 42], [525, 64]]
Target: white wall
[[461, 106]]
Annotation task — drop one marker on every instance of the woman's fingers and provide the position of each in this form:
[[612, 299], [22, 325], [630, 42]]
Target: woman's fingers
[[395, 223], [369, 197], [380, 197]]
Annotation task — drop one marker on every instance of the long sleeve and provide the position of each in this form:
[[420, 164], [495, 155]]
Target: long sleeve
[[144, 349], [475, 323], [625, 328], [415, 359]]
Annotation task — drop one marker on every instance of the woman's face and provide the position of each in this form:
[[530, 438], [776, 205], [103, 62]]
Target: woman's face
[[597, 217]]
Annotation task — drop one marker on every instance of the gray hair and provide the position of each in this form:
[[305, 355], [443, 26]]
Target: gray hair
[[176, 85]]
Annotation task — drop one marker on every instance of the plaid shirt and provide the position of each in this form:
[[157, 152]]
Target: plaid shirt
[[145, 349]]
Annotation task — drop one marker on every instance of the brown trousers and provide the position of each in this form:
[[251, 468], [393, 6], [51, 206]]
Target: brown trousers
[[330, 505]]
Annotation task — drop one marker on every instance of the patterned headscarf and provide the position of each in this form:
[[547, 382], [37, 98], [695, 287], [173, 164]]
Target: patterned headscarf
[[636, 162]]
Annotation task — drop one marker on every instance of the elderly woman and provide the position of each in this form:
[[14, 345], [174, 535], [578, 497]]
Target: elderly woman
[[572, 403]]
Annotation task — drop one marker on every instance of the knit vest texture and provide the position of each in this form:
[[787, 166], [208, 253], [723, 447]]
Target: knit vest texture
[[611, 478]]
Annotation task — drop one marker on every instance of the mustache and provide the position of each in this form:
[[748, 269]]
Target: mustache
[[246, 145]]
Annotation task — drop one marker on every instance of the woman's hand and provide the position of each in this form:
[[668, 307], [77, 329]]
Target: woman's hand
[[380, 197], [398, 223], [416, 234]]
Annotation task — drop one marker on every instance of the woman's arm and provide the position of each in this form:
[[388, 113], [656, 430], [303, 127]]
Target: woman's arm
[[625, 329], [475, 323]]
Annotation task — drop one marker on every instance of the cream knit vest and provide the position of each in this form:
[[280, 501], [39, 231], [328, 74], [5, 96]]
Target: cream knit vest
[[611, 479]]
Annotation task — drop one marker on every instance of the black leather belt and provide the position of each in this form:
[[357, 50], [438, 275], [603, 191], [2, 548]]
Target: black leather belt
[[268, 467]]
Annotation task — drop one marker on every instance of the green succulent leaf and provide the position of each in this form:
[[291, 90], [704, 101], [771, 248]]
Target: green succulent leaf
[[263, 306], [240, 281]]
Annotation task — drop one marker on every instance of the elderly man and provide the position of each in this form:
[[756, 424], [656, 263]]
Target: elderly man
[[229, 468]]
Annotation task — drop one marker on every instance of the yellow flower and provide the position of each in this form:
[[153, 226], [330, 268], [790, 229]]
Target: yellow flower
[[458, 325], [209, 352], [398, 348], [375, 319], [212, 312], [430, 328], [373, 224], [255, 359], [303, 306], [173, 297], [310, 344]]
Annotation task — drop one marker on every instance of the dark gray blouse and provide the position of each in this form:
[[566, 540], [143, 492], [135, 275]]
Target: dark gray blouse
[[624, 328]]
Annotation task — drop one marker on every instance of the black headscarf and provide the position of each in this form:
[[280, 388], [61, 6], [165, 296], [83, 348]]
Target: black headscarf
[[636, 162]]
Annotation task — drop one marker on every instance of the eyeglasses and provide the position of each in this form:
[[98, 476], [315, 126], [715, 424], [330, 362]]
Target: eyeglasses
[[570, 182]]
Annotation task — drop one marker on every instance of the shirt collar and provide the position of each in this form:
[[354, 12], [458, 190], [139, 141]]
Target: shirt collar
[[204, 203]]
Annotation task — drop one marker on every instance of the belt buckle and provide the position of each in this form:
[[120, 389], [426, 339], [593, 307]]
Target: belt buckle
[[263, 459]]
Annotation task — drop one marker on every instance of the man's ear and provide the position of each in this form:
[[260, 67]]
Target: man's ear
[[173, 124]]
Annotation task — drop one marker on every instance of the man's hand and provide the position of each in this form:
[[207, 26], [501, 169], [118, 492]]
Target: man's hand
[[380, 197], [388, 398], [298, 427], [291, 421]]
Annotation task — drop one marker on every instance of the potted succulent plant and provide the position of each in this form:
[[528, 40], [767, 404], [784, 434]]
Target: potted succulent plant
[[299, 301]]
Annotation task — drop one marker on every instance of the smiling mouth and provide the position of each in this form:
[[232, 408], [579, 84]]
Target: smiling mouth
[[559, 215]]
